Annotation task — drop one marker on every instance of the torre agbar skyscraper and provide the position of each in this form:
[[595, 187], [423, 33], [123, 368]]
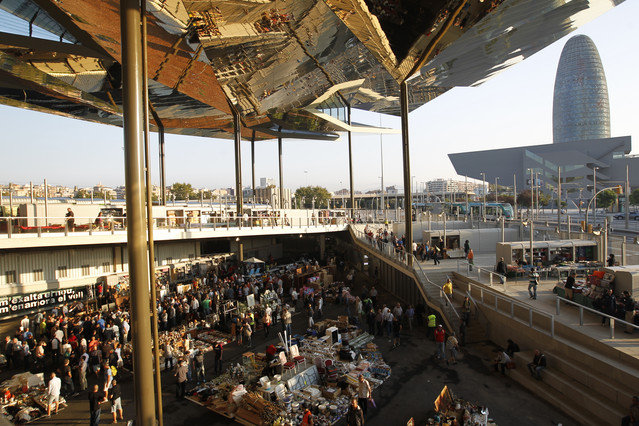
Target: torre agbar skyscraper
[[581, 110]]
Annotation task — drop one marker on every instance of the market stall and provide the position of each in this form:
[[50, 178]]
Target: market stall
[[547, 253], [452, 410], [322, 378], [588, 290], [23, 398], [181, 340]]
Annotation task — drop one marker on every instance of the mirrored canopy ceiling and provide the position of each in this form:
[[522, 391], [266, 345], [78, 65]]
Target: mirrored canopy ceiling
[[290, 67]]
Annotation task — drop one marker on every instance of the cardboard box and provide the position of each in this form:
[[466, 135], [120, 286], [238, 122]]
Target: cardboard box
[[331, 393]]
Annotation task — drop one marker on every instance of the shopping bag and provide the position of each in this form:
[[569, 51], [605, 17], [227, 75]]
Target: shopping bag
[[371, 403]]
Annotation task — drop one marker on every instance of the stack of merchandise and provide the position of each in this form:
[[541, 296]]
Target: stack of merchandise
[[24, 398], [214, 337]]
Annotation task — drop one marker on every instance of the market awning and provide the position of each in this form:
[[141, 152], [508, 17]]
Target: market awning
[[253, 260]]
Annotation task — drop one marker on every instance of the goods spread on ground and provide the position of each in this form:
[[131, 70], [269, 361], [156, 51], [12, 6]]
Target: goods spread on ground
[[23, 398], [181, 340], [452, 410], [312, 372]]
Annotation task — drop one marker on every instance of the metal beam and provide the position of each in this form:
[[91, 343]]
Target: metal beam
[[279, 150], [350, 162], [408, 201], [237, 125], [67, 21], [40, 46], [132, 86]]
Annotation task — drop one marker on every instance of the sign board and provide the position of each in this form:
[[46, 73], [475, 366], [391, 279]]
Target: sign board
[[308, 377], [444, 401], [250, 300], [39, 301]]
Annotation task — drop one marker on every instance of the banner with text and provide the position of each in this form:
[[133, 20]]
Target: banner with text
[[37, 301]]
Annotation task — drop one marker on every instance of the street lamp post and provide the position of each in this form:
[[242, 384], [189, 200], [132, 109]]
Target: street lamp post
[[594, 191], [532, 194], [496, 190], [515, 193], [412, 188], [537, 192], [483, 192]]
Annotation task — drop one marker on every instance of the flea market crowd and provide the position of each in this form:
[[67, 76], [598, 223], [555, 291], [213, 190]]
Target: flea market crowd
[[327, 373], [55, 355]]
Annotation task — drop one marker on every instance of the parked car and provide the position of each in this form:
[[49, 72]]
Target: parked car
[[631, 216]]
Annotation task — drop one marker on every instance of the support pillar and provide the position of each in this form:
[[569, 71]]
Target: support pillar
[[279, 150], [253, 165], [149, 223], [408, 205], [158, 123], [46, 203], [350, 162], [132, 103], [322, 244], [238, 164]]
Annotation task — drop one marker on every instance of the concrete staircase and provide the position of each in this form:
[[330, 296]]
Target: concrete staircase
[[592, 394], [430, 281], [586, 377], [434, 296]]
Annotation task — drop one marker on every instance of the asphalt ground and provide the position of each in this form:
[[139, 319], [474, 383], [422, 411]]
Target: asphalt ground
[[417, 379]]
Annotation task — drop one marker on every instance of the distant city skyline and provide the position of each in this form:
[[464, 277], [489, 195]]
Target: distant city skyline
[[512, 109], [436, 186]]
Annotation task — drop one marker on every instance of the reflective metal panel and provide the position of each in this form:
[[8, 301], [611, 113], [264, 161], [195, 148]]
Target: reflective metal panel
[[278, 62]]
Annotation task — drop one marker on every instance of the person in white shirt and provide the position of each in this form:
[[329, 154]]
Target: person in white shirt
[[82, 371], [125, 331], [25, 322], [55, 384]]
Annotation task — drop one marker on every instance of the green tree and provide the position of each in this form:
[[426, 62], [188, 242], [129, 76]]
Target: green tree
[[305, 196], [83, 193], [544, 199], [524, 197], [507, 199], [183, 191], [634, 197], [209, 195], [606, 198]]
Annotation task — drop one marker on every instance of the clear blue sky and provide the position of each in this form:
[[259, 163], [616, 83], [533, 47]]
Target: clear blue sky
[[512, 109]]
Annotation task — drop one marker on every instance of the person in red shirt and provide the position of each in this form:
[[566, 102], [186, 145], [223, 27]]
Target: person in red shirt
[[307, 420], [440, 338]]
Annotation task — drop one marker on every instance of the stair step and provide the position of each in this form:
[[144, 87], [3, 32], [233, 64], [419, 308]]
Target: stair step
[[573, 386], [608, 386], [586, 411]]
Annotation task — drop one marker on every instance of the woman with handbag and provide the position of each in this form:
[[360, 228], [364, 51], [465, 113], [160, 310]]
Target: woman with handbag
[[364, 393]]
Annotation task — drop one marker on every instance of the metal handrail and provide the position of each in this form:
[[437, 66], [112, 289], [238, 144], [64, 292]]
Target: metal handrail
[[613, 320], [401, 258], [113, 224], [479, 269], [512, 303]]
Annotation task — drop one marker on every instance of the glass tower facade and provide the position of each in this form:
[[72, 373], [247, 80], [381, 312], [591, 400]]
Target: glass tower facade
[[581, 110]]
